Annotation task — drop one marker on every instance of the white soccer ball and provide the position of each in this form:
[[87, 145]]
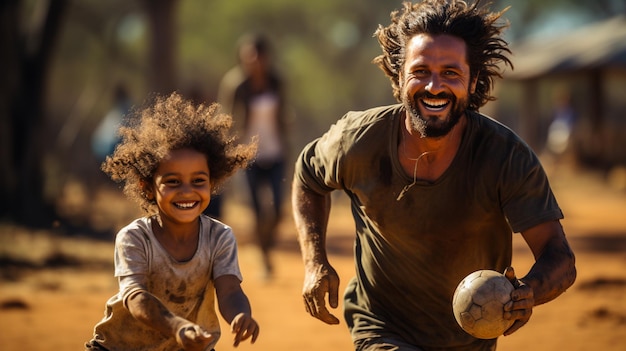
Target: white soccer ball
[[478, 304]]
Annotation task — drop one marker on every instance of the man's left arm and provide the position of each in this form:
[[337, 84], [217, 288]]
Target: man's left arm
[[552, 273], [554, 269]]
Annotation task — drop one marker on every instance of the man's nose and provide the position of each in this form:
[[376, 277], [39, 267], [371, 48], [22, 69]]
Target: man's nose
[[434, 85]]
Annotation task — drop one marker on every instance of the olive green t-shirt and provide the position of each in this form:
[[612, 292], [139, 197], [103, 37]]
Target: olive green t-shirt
[[411, 253]]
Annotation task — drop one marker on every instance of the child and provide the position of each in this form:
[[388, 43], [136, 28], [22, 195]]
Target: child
[[170, 262]]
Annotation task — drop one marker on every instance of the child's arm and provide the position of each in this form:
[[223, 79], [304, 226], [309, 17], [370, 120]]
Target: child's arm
[[235, 308], [149, 310]]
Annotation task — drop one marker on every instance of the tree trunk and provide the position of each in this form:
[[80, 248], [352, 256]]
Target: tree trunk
[[28, 59], [162, 21]]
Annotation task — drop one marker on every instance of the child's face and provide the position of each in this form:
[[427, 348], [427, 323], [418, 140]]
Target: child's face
[[182, 187]]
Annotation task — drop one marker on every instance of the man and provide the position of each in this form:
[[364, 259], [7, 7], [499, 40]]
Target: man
[[436, 190]]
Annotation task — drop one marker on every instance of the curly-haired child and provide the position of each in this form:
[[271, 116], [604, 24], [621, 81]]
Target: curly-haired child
[[171, 263]]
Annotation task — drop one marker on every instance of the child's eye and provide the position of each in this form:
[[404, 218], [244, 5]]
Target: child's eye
[[172, 182], [200, 181]]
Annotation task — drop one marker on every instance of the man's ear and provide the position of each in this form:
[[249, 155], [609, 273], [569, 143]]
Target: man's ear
[[473, 84]]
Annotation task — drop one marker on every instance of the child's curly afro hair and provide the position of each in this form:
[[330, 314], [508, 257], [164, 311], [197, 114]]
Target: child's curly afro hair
[[173, 123]]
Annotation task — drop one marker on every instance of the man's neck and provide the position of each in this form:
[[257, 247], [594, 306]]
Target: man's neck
[[415, 144]]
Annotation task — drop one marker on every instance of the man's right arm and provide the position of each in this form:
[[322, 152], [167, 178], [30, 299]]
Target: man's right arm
[[311, 211]]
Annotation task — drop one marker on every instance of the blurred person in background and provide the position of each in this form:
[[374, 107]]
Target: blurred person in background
[[106, 136], [253, 93], [561, 127]]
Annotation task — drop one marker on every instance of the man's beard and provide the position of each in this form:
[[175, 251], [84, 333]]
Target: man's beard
[[434, 127]]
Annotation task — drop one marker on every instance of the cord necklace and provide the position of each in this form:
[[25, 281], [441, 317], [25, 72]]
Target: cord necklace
[[417, 159]]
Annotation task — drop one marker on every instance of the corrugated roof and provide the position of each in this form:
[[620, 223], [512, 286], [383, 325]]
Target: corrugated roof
[[601, 44]]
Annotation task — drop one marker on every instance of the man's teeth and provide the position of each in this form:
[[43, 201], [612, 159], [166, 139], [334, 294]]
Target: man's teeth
[[432, 103]]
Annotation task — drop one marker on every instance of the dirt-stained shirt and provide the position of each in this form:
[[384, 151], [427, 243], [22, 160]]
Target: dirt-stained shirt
[[185, 288], [411, 253]]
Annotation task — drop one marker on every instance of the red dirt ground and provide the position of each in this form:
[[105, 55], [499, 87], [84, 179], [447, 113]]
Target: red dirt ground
[[55, 309]]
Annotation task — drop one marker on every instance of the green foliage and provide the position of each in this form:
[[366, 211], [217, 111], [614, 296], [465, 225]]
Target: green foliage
[[323, 48]]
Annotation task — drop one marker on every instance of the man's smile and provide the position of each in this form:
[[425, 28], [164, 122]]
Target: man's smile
[[434, 105]]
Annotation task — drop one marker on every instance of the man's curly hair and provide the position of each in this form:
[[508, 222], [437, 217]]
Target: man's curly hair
[[173, 123], [475, 25]]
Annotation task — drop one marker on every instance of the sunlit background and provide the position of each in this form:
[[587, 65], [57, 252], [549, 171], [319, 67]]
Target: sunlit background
[[62, 61]]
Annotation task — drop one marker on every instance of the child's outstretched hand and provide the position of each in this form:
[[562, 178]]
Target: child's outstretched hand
[[244, 326], [193, 337]]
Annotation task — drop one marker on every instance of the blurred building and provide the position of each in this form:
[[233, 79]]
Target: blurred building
[[588, 65]]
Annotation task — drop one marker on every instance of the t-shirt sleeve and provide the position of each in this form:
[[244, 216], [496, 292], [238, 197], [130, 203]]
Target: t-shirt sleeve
[[318, 166], [131, 260], [131, 285], [225, 259], [131, 252], [527, 197]]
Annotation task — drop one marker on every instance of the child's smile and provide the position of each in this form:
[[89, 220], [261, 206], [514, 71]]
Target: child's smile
[[186, 205]]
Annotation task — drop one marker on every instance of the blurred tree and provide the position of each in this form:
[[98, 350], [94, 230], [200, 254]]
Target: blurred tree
[[162, 20], [29, 33], [26, 45]]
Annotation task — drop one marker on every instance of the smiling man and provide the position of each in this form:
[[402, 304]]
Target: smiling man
[[437, 190], [436, 83]]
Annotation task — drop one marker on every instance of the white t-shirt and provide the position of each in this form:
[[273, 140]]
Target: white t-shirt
[[263, 122], [185, 288]]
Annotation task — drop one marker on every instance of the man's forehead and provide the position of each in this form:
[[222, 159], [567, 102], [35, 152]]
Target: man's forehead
[[441, 47]]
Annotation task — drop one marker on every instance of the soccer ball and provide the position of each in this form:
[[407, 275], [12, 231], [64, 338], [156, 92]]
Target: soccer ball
[[478, 304]]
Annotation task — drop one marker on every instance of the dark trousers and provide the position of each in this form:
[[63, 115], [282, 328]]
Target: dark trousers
[[267, 208], [261, 174]]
